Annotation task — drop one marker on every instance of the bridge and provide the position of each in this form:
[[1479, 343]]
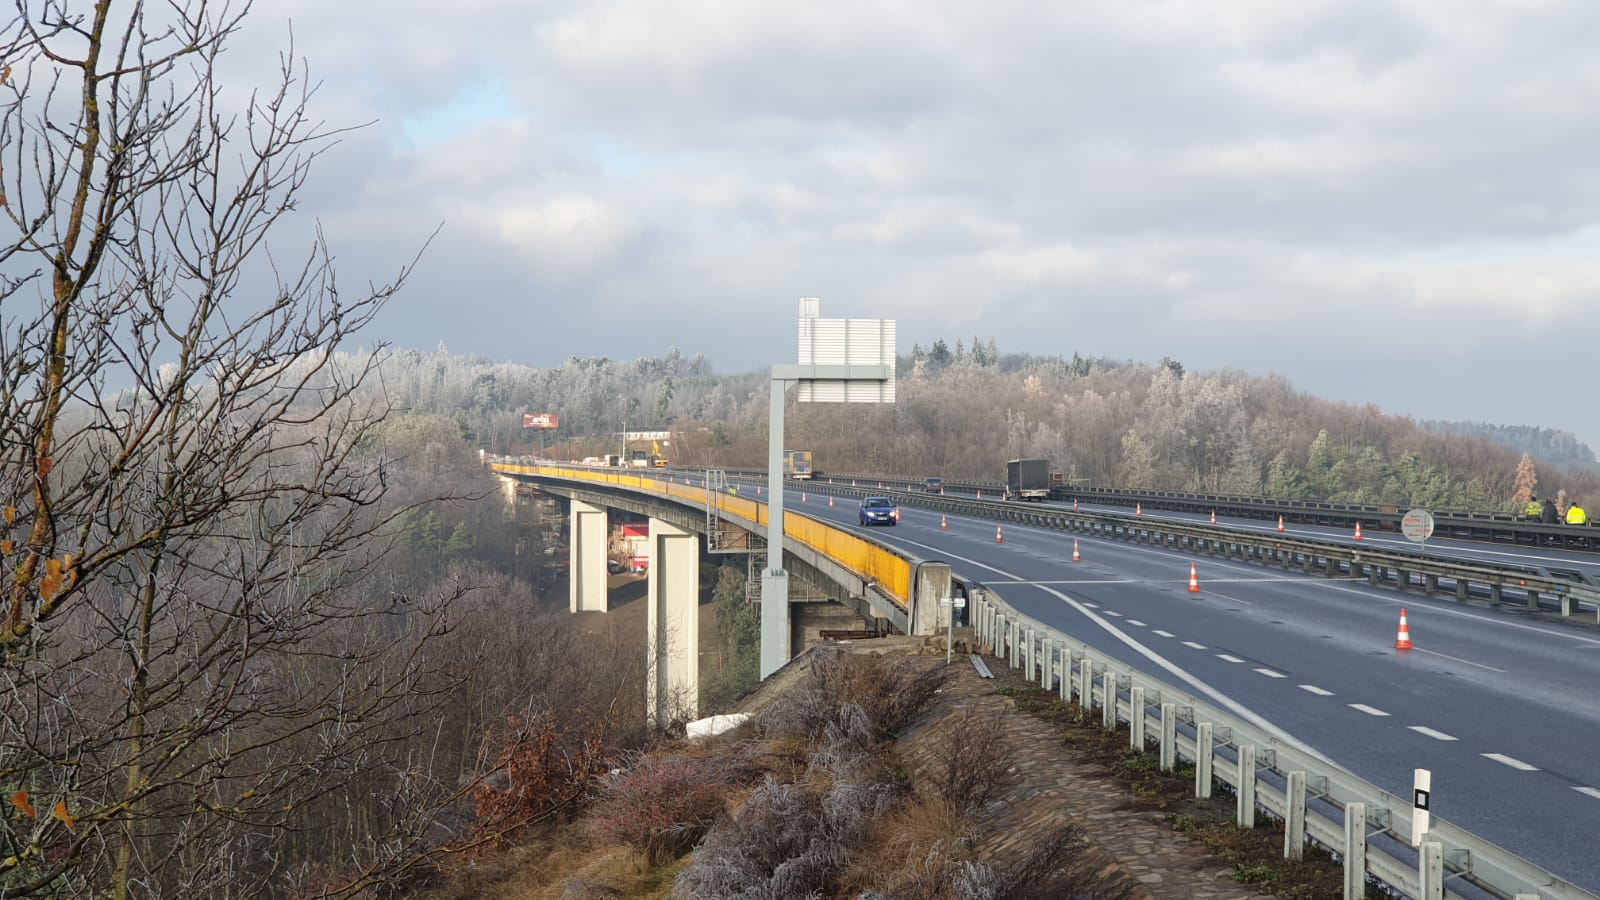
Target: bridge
[[1282, 661]]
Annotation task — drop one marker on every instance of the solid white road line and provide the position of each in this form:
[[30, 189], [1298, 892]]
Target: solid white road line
[[1371, 711], [1425, 731], [1320, 692], [1513, 763]]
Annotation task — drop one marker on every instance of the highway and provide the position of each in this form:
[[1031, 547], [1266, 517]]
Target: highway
[[1500, 705]]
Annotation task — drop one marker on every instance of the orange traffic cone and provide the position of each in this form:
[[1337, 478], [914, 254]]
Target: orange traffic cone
[[897, 514], [1402, 641], [1075, 556], [830, 503], [943, 525], [1194, 580], [802, 496], [997, 538], [1138, 508], [1074, 504], [941, 490], [1280, 523], [1358, 531], [1213, 517], [980, 494]]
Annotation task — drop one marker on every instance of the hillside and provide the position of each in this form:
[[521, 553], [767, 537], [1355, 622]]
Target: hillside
[[990, 788]]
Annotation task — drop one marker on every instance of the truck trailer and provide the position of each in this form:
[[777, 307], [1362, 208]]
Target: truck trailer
[[1028, 479], [797, 464]]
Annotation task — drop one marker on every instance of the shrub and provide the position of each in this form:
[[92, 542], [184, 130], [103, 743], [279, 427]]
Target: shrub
[[973, 758], [662, 804]]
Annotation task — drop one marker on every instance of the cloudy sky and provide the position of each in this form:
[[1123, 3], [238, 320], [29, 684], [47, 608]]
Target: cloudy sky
[[1391, 202]]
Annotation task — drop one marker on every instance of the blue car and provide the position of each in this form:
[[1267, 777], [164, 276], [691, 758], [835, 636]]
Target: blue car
[[879, 511]]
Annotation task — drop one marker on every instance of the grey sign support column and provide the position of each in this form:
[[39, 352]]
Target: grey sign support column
[[586, 558], [841, 361]]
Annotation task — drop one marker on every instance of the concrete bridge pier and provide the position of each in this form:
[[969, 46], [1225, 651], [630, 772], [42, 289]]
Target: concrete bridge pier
[[672, 687], [586, 558]]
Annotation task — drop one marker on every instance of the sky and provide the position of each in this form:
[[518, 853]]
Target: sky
[[1391, 202]]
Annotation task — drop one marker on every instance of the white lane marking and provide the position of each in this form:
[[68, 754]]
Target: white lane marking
[[1194, 645], [1227, 658], [1592, 792], [1425, 731], [1137, 623], [1513, 763], [1369, 710], [1465, 662], [1166, 634], [1320, 692], [1091, 605], [1271, 674], [1112, 612]]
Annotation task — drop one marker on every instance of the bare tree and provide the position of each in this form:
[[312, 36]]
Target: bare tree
[[183, 661]]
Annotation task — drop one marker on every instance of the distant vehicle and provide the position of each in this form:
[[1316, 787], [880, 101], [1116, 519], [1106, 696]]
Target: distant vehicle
[[1028, 479], [797, 464], [615, 567], [879, 511], [933, 485]]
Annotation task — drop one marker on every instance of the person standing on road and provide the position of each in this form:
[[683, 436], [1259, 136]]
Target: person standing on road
[[1532, 510], [1576, 515], [1549, 515]]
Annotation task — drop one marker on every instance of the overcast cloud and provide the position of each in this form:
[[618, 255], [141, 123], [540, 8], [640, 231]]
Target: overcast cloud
[[1390, 202]]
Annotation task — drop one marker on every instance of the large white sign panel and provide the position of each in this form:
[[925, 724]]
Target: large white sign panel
[[847, 342]]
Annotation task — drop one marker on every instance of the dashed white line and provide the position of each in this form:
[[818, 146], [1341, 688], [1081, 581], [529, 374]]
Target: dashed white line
[[1271, 674], [1592, 792], [1371, 711], [1320, 692], [1425, 731], [1137, 623], [1227, 658], [1159, 633], [1194, 645], [1513, 763], [1112, 612], [1089, 605]]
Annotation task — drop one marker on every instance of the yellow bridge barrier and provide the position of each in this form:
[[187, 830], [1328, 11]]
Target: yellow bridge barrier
[[891, 573]]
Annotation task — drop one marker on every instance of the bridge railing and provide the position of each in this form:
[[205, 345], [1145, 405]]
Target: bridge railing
[[889, 571], [1318, 801]]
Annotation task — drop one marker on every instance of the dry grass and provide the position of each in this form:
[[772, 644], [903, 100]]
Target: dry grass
[[1256, 855]]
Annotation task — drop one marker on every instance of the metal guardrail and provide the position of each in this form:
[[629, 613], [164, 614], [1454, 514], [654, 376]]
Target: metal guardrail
[[1392, 568], [1317, 801], [1463, 524]]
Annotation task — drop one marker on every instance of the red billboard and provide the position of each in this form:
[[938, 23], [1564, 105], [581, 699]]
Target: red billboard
[[541, 420]]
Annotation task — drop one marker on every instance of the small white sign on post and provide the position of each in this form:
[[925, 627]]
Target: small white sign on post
[[1421, 789]]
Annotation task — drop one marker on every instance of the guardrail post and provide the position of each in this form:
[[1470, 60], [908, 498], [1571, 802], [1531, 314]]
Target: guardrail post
[[1108, 699], [1430, 871], [1533, 600], [1355, 851], [1245, 814], [1461, 589], [1294, 816], [1374, 575], [1495, 589], [1402, 578], [1015, 647], [1047, 672], [1066, 671], [1086, 682], [1204, 754], [1136, 718], [1169, 736], [1430, 584]]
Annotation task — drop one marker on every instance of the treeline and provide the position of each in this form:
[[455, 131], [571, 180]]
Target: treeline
[[1549, 445], [961, 412]]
